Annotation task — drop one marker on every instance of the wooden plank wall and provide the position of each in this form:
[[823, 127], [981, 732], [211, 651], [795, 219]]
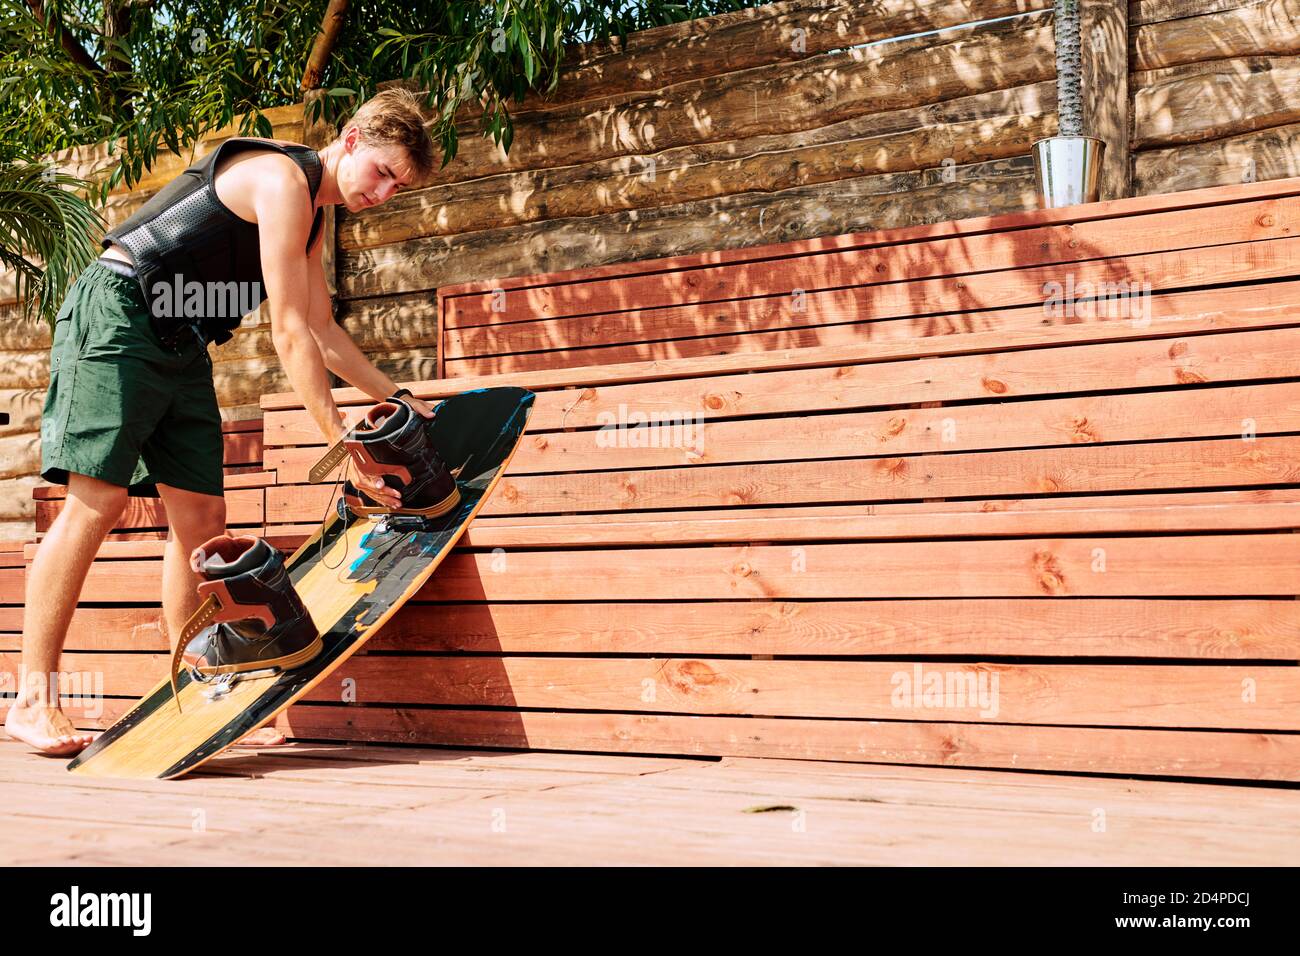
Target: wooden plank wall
[[1214, 92], [1095, 506], [1097, 511]]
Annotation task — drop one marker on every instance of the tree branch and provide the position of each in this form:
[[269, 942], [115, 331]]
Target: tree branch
[[117, 24], [70, 45], [330, 26]]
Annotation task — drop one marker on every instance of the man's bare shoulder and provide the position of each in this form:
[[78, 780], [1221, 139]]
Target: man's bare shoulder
[[277, 172], [261, 179], [270, 162]]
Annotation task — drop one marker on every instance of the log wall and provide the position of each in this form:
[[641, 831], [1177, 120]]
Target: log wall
[[1215, 92]]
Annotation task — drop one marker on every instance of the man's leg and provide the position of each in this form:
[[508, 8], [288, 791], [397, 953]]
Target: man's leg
[[194, 519], [54, 584]]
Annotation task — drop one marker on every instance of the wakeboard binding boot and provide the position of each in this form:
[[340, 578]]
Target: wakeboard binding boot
[[251, 617], [395, 442]]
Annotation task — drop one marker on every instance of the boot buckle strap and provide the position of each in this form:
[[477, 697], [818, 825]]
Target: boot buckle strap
[[229, 610], [368, 465]]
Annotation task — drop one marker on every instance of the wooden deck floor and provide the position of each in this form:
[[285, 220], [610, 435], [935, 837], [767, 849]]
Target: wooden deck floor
[[320, 804]]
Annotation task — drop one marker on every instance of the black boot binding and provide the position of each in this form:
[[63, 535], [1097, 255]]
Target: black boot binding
[[252, 617], [395, 442]]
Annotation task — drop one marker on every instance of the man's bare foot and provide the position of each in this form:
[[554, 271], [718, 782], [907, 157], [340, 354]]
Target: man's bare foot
[[48, 729], [263, 737]]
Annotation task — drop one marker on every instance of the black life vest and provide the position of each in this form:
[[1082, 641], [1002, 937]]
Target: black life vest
[[185, 234]]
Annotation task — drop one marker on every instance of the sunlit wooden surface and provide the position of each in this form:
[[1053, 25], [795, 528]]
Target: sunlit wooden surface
[[317, 804]]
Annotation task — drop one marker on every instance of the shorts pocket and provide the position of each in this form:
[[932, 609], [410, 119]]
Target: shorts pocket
[[62, 332], [58, 397]]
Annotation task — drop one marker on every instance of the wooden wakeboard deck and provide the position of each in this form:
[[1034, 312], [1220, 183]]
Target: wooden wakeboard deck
[[352, 574]]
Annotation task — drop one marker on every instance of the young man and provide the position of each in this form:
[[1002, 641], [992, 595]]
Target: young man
[[131, 402]]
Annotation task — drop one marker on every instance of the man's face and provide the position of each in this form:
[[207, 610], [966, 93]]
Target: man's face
[[370, 175]]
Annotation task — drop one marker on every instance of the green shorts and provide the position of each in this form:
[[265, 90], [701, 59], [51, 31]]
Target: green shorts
[[122, 407]]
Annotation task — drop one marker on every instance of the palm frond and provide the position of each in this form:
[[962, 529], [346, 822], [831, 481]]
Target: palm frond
[[46, 229]]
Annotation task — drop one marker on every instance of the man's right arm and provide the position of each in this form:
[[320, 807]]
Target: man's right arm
[[284, 271]]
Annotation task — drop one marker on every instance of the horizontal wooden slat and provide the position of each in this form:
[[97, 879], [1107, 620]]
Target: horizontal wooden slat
[[1251, 629], [1168, 415], [1094, 566], [1272, 153], [1141, 12], [1255, 510], [1209, 100], [243, 447], [252, 479], [23, 370], [239, 426], [20, 409], [121, 628], [1219, 28], [1110, 750], [559, 532], [1192, 565], [1066, 469], [1252, 510], [1179, 753], [1149, 695], [17, 508]]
